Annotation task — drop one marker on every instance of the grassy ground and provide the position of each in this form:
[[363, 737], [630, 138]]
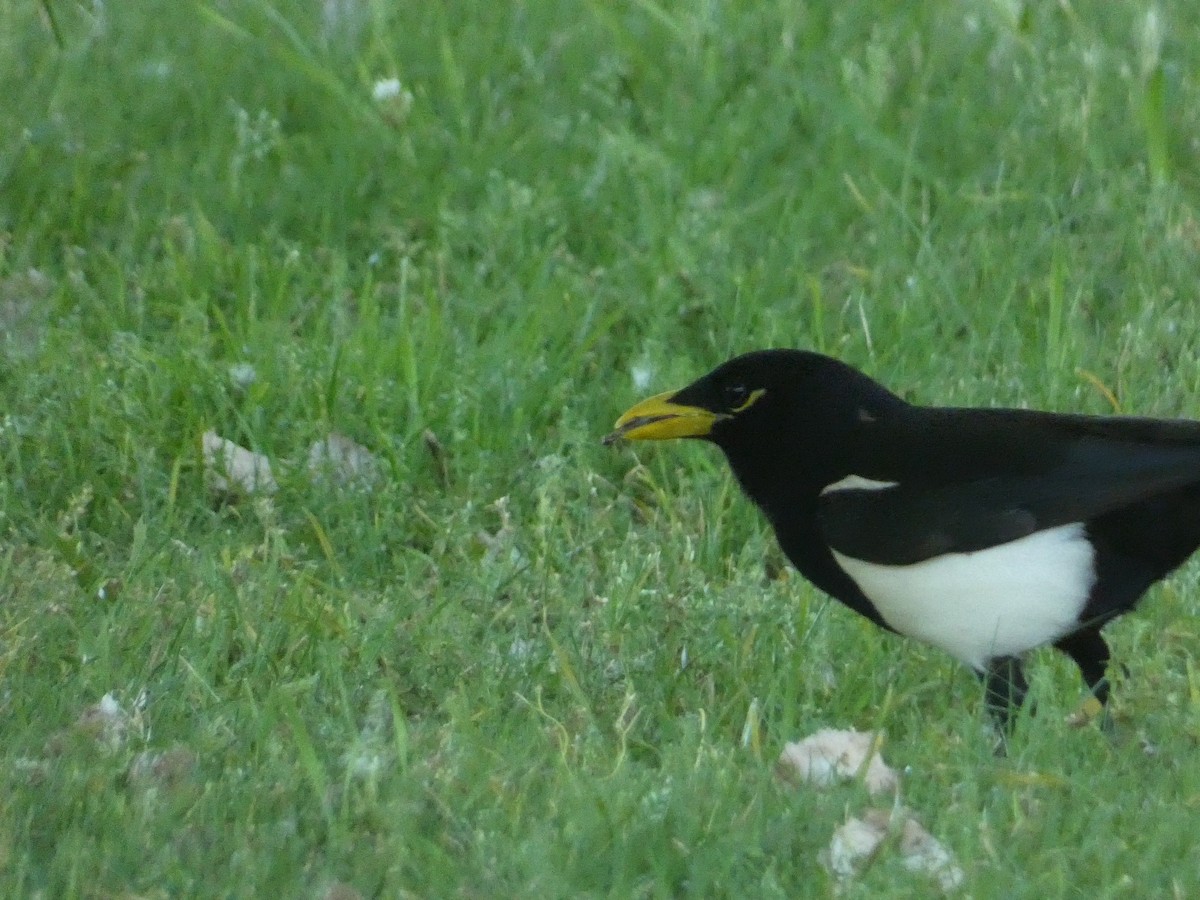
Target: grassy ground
[[522, 664]]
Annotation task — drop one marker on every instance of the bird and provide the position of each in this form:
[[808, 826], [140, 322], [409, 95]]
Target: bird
[[985, 532]]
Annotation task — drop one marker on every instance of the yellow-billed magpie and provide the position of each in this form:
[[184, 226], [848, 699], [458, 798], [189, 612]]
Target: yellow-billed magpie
[[985, 532]]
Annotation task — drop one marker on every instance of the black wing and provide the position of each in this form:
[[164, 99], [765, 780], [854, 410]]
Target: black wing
[[923, 517]]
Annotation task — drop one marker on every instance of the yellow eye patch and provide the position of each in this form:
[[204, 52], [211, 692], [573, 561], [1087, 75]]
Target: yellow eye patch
[[751, 400]]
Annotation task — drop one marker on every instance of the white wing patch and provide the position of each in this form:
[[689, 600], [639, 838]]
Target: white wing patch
[[857, 483], [1000, 601]]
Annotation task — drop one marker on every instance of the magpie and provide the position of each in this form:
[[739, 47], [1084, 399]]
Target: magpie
[[983, 532]]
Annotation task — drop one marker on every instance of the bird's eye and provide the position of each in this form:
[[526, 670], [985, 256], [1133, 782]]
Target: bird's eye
[[736, 395]]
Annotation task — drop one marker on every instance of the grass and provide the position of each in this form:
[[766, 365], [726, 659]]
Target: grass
[[527, 665]]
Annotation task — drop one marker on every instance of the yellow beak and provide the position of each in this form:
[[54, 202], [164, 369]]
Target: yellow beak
[[658, 419]]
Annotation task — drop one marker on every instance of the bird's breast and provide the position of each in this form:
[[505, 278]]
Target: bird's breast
[[1000, 601]]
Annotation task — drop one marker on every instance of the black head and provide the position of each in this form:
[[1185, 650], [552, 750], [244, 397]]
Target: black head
[[766, 409], [759, 394]]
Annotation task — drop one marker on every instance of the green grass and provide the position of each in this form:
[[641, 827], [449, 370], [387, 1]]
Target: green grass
[[534, 666]]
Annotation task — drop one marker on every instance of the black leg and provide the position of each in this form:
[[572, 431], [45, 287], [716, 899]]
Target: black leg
[[1090, 652], [1004, 687]]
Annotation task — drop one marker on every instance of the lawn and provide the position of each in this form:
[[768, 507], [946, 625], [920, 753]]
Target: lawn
[[508, 661]]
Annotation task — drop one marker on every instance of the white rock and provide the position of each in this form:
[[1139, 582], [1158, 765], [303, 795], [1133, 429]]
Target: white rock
[[832, 755], [342, 461], [232, 469]]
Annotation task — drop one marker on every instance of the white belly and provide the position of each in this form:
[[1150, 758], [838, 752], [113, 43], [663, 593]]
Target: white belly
[[996, 602]]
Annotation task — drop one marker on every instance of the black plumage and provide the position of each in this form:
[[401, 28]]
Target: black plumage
[[984, 531]]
